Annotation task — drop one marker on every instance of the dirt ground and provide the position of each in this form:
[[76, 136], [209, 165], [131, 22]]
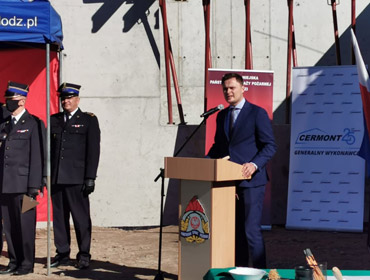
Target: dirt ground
[[133, 254]]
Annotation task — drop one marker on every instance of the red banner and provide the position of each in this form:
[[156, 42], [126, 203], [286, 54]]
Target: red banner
[[258, 90], [28, 66]]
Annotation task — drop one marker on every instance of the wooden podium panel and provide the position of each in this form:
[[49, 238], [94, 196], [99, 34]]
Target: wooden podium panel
[[223, 226], [202, 169], [212, 182]]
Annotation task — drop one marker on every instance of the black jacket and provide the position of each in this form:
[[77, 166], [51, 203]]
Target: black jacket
[[75, 148], [20, 155]]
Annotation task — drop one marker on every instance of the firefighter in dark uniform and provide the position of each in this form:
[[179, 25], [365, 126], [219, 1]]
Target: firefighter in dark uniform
[[75, 150], [4, 113], [20, 174]]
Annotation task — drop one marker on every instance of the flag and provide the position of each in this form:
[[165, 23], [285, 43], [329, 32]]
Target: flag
[[363, 77]]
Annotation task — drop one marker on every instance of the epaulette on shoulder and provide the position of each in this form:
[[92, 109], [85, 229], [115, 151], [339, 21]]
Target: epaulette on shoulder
[[35, 117], [91, 114]]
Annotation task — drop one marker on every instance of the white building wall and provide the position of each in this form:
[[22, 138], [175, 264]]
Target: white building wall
[[124, 86]]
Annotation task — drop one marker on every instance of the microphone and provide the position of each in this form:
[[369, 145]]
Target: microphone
[[212, 111]]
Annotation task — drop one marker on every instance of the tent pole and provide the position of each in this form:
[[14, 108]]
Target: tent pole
[[60, 67], [60, 75], [48, 151]]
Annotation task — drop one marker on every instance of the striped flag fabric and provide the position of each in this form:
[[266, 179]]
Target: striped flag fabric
[[363, 76]]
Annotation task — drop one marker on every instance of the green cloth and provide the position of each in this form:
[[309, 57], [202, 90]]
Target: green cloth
[[223, 274]]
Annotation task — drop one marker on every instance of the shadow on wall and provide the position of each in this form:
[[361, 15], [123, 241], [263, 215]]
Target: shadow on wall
[[329, 58], [363, 38], [194, 148], [280, 162], [137, 14]]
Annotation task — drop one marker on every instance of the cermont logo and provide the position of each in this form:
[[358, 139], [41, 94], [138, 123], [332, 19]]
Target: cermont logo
[[318, 136], [14, 21]]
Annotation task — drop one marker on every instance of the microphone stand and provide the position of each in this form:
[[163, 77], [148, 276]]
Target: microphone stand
[[159, 275]]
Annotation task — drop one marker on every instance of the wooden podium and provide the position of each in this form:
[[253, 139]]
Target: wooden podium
[[209, 183]]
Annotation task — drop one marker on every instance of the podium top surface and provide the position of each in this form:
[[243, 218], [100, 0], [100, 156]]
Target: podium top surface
[[202, 169]]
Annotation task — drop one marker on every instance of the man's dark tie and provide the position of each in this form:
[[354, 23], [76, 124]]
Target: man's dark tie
[[66, 118], [12, 123], [231, 119]]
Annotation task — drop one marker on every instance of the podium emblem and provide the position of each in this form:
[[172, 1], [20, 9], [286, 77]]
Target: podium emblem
[[194, 223]]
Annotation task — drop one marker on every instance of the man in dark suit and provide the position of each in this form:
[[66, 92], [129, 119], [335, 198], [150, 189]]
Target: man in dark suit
[[244, 133], [75, 150], [20, 174]]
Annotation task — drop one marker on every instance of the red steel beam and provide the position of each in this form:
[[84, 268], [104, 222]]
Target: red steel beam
[[289, 60], [248, 40], [353, 24], [169, 62], [207, 16], [176, 85], [336, 35], [162, 4], [295, 61]]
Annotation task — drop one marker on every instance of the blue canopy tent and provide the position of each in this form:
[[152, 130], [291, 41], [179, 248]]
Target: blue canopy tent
[[26, 26], [30, 22]]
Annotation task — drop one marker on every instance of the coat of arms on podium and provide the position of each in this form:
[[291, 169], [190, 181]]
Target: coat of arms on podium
[[194, 223]]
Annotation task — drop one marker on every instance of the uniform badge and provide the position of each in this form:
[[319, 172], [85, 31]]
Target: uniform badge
[[22, 130], [77, 125], [194, 223]]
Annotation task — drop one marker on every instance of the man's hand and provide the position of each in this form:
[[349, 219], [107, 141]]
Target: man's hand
[[88, 187], [248, 169], [32, 192]]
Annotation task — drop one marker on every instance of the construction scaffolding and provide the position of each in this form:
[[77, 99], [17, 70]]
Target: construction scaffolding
[[292, 60]]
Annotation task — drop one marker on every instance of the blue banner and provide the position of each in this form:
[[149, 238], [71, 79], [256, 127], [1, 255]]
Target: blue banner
[[31, 22], [326, 176]]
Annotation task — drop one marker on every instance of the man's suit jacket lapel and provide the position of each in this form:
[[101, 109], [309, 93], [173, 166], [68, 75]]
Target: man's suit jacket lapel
[[227, 123], [75, 117], [61, 119], [240, 120]]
